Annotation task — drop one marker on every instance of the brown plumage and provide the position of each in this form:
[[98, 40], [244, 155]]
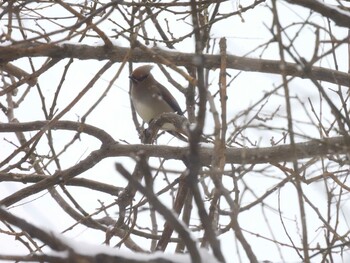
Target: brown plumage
[[150, 98]]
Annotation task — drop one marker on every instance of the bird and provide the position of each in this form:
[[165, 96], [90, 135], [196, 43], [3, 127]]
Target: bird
[[151, 99]]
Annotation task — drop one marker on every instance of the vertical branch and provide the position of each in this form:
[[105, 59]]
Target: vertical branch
[[223, 87], [154, 228], [291, 134], [195, 134], [349, 54], [190, 96], [218, 161]]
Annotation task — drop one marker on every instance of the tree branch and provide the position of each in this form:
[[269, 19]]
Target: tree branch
[[282, 153], [84, 52], [79, 127], [339, 16]]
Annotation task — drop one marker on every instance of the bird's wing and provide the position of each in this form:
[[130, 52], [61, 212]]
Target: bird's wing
[[166, 95]]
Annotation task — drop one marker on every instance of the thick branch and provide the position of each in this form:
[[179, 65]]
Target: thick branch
[[32, 230], [117, 54], [339, 16], [282, 153]]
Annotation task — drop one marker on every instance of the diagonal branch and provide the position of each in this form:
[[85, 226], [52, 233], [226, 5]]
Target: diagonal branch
[[339, 16]]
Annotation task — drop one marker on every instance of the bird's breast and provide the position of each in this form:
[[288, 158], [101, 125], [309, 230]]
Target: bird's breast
[[149, 105]]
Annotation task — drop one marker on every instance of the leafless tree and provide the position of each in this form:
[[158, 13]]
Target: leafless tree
[[270, 182]]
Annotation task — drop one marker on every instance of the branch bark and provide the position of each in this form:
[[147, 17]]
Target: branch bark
[[339, 16], [308, 149], [117, 54]]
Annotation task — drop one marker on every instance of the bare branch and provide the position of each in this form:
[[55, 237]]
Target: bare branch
[[117, 54]]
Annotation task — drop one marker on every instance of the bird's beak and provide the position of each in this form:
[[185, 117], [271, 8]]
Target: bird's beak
[[132, 78]]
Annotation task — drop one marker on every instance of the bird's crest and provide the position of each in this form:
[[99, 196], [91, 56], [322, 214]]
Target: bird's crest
[[141, 73]]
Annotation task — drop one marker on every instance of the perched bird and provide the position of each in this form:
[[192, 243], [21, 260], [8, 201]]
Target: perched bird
[[151, 99]]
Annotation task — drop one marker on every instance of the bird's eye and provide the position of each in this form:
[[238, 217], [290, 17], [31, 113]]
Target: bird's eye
[[142, 78], [138, 79]]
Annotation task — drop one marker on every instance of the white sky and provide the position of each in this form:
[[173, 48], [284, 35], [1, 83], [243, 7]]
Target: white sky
[[114, 116]]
